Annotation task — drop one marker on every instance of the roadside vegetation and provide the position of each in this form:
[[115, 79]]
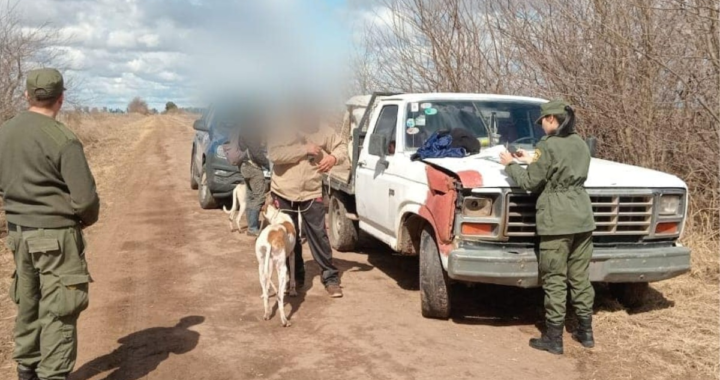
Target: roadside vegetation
[[644, 76]]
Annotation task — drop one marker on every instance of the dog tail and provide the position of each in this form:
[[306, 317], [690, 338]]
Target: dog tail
[[234, 205]]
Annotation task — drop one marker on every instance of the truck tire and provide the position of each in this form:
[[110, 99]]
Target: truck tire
[[434, 282], [193, 172], [343, 232], [630, 294], [207, 202]]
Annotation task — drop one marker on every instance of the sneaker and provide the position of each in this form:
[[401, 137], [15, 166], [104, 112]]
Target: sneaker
[[253, 233], [334, 290]]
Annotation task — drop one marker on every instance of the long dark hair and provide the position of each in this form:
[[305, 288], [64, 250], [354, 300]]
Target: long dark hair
[[567, 122]]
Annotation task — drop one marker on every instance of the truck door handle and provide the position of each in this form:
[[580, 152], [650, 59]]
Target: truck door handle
[[391, 192], [362, 164]]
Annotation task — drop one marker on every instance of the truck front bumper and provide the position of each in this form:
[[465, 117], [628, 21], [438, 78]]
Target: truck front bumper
[[519, 267]]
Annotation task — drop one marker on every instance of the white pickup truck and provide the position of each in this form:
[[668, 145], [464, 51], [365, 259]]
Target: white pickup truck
[[467, 220]]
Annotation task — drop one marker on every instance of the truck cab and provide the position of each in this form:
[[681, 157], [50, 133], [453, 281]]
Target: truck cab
[[466, 219]]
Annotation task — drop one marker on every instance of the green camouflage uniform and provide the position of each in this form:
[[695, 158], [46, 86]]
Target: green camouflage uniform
[[564, 221], [49, 196]]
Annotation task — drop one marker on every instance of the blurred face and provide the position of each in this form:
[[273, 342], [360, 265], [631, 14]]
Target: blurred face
[[550, 124]]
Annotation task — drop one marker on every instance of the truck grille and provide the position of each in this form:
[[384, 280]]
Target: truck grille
[[626, 216]]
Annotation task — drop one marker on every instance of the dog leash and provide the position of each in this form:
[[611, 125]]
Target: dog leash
[[299, 212]]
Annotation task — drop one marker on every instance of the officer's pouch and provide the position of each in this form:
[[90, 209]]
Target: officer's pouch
[[71, 296], [42, 245]]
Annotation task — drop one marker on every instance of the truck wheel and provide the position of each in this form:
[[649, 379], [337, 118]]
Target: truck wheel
[[343, 231], [631, 294], [193, 172], [434, 282], [207, 201]]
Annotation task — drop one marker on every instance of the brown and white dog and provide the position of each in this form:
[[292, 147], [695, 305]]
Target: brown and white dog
[[274, 245], [238, 206]]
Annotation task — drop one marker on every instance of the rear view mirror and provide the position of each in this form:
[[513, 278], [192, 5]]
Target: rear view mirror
[[592, 145], [378, 145]]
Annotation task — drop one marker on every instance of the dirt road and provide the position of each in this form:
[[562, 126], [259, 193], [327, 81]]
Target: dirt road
[[176, 296]]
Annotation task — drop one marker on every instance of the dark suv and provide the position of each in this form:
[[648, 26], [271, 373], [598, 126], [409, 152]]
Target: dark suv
[[210, 172]]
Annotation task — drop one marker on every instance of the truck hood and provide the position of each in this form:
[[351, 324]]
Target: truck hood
[[603, 173]]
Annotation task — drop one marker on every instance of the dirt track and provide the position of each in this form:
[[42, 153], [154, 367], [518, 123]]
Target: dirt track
[[157, 258]]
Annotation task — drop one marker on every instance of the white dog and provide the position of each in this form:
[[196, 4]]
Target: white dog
[[274, 245], [238, 206]]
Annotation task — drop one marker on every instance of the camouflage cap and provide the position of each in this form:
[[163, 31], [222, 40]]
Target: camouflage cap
[[553, 107], [45, 84]]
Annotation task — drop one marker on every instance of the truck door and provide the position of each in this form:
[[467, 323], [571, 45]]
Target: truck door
[[373, 193]]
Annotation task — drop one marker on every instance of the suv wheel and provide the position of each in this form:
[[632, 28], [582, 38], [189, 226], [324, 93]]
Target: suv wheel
[[343, 231], [434, 282], [206, 199], [193, 172]]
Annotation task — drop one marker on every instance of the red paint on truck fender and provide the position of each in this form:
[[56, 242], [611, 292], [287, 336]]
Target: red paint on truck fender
[[470, 179], [439, 207]]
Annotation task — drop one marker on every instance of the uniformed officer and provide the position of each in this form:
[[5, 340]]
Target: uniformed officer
[[557, 170], [49, 197]]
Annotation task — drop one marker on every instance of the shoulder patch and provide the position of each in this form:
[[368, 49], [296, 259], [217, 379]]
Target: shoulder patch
[[537, 155]]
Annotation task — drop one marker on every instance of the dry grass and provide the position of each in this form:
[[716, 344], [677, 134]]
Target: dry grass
[[674, 335]]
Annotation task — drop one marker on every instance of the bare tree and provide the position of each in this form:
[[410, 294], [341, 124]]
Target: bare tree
[[138, 105], [643, 74], [21, 49]]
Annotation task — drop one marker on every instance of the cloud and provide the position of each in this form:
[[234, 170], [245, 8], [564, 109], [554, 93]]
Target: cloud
[[178, 50]]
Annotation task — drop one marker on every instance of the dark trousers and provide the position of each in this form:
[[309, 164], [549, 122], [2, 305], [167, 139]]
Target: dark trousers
[[313, 225]]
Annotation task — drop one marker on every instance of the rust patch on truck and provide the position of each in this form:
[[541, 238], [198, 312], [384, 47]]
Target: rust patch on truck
[[439, 207], [470, 179]]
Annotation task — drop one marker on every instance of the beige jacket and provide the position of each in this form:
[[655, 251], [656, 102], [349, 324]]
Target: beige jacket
[[294, 176]]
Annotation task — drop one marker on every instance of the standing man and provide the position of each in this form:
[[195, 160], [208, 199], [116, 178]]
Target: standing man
[[299, 158], [49, 197], [558, 170], [252, 169]]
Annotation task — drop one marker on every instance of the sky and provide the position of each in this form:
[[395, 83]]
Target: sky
[[190, 51]]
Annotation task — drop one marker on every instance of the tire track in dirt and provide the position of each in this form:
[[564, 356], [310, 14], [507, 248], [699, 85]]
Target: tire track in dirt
[[157, 258]]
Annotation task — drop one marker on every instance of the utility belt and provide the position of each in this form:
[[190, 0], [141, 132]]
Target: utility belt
[[14, 227], [564, 189]]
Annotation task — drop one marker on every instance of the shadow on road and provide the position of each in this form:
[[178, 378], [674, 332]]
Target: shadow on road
[[141, 352], [495, 305]]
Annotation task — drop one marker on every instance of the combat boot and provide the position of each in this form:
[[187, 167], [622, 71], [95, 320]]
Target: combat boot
[[26, 374], [584, 333], [551, 340]]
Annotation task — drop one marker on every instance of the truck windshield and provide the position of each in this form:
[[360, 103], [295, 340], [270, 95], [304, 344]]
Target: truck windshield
[[491, 122]]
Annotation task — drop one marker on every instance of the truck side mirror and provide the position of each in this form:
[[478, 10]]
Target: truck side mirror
[[592, 145], [378, 144]]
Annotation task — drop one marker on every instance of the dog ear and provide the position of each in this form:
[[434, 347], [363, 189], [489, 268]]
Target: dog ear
[[268, 201]]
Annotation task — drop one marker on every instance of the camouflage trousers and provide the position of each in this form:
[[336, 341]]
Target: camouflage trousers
[[565, 262], [50, 289], [255, 181]]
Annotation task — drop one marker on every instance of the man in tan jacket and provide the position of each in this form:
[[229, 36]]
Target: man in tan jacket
[[300, 157]]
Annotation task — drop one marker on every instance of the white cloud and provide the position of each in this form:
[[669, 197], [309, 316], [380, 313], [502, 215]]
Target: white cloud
[[163, 50]]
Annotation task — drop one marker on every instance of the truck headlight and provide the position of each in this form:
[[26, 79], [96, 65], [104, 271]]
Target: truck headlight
[[220, 152], [477, 206], [669, 205]]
